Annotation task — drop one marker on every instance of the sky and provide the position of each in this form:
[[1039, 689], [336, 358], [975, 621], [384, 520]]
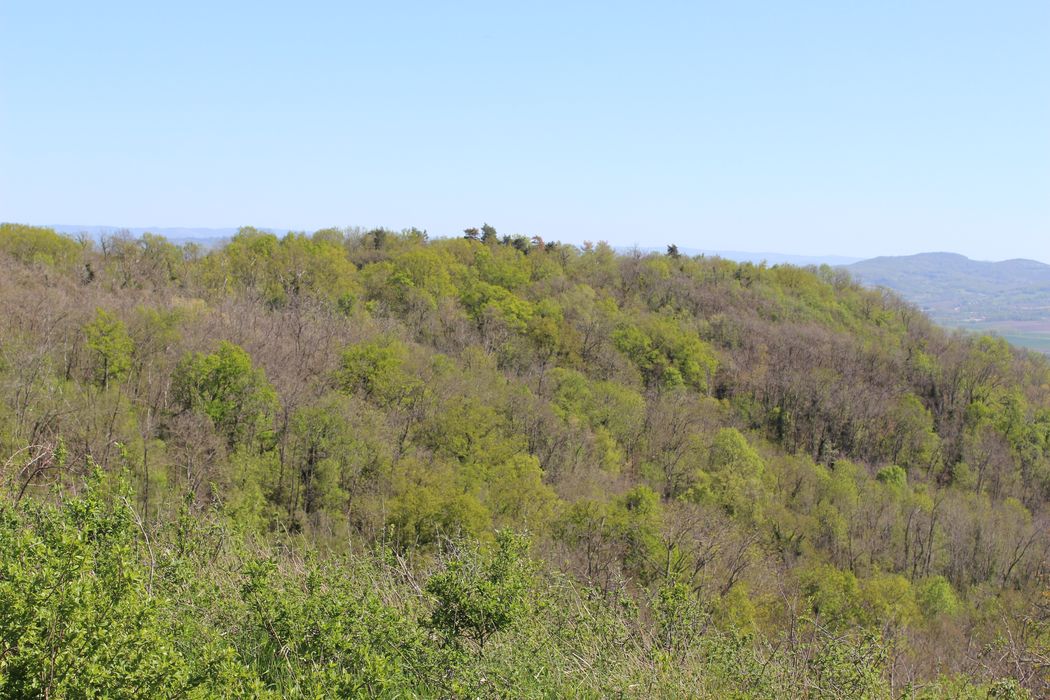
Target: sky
[[813, 127]]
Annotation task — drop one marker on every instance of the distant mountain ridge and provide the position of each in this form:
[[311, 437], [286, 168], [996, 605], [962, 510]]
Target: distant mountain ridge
[[175, 234], [756, 257], [1018, 272], [953, 287], [1009, 296]]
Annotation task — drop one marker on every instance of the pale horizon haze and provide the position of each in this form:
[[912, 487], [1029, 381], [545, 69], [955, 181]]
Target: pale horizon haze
[[818, 128]]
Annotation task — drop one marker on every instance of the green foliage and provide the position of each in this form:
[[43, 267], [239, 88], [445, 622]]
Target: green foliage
[[842, 669], [376, 369], [740, 480], [614, 407], [77, 618], [108, 340], [430, 505], [226, 387], [501, 267], [833, 595], [893, 476], [623, 532], [666, 354], [888, 601], [34, 244], [936, 597], [678, 617], [733, 478], [516, 493], [735, 610], [282, 270], [411, 281], [317, 635], [487, 302], [911, 440], [477, 597]]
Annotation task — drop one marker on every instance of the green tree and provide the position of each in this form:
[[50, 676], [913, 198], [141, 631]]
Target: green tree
[[34, 244], [376, 369], [733, 477], [111, 347], [226, 387], [936, 597], [77, 618], [476, 596]]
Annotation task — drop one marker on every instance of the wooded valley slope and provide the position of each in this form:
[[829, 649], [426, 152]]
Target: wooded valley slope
[[365, 463]]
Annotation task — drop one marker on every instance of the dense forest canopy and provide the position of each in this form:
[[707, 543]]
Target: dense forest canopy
[[365, 463]]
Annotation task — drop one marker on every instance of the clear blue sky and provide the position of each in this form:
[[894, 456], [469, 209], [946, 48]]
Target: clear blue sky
[[856, 128]]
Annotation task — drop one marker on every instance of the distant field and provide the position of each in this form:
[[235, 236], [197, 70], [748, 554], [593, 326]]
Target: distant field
[[1033, 341], [1031, 335]]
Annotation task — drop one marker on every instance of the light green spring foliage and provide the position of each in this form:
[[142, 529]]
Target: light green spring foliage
[[936, 597], [108, 340], [227, 388], [739, 481], [90, 608], [733, 478], [280, 271], [667, 355], [377, 371], [475, 600], [38, 245]]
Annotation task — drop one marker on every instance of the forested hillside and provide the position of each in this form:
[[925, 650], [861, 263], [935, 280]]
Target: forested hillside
[[364, 463]]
